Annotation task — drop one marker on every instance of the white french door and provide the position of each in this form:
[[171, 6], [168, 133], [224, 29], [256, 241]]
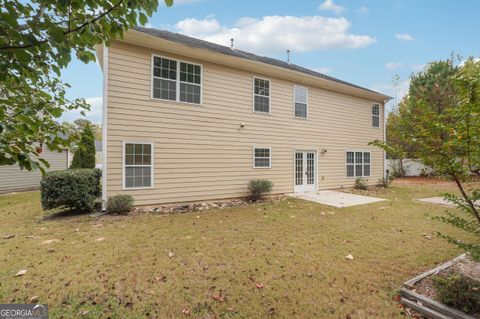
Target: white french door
[[305, 171]]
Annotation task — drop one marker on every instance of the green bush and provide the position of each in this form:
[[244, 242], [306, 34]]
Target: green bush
[[84, 156], [459, 292], [77, 189], [120, 204], [259, 187], [385, 182], [360, 183]]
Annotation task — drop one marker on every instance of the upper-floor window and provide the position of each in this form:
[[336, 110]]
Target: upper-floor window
[[300, 94], [176, 80], [358, 164], [261, 95], [376, 115]]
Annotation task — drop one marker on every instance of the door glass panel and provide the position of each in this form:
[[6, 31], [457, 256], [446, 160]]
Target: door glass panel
[[298, 168], [310, 168]]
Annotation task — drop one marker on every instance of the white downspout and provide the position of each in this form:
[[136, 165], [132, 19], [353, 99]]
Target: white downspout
[[384, 140], [104, 127]]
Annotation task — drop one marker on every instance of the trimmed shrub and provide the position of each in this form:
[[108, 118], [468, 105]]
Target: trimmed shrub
[[84, 156], [120, 204], [360, 183], [77, 189], [459, 292], [259, 187], [385, 182]]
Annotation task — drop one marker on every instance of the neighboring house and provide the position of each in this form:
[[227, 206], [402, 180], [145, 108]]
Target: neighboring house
[[98, 154], [188, 120], [13, 179]]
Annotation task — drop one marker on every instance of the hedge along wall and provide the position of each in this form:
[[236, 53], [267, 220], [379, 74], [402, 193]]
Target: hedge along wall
[[78, 189]]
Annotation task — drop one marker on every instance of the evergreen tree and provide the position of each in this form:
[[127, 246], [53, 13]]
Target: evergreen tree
[[84, 156]]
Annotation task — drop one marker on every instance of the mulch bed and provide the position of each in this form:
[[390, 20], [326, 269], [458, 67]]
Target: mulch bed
[[465, 267]]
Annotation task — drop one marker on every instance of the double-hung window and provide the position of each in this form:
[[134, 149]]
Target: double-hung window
[[300, 99], [176, 80], [138, 169], [261, 95], [358, 164], [376, 115], [262, 157]]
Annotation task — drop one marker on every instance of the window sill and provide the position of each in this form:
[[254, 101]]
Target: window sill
[[175, 102], [301, 118], [135, 188], [262, 113]]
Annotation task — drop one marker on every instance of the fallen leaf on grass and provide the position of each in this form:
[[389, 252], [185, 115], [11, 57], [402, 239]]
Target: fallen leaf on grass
[[218, 298], [50, 241], [21, 272], [170, 254], [162, 279], [427, 236], [83, 312], [349, 257], [100, 239], [34, 299], [8, 236], [186, 312]]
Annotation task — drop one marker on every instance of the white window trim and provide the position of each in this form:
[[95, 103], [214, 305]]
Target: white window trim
[[371, 111], [253, 157], [295, 101], [354, 163], [177, 81], [269, 94], [152, 171]]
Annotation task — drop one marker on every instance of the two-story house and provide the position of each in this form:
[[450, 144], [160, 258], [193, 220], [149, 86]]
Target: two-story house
[[188, 120]]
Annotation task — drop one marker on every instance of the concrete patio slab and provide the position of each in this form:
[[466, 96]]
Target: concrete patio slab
[[336, 199], [440, 201], [436, 200]]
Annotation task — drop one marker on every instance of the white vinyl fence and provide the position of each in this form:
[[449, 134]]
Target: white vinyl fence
[[410, 166]]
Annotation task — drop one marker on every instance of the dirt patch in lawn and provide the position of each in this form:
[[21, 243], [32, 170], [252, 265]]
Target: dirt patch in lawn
[[425, 181]]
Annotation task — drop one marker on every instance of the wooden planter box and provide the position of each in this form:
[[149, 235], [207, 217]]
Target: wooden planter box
[[426, 306]]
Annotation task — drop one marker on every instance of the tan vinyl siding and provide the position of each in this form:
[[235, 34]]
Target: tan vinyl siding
[[201, 152], [13, 179]]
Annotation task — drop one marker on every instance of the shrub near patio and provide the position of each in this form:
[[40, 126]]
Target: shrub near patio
[[76, 189]]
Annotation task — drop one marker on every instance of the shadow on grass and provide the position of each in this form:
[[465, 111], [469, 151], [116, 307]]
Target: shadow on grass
[[66, 214]]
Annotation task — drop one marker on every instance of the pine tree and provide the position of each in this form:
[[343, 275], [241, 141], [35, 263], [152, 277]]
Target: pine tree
[[84, 156]]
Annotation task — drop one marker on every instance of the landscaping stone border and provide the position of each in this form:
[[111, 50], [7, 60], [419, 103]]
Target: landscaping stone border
[[426, 306], [203, 206]]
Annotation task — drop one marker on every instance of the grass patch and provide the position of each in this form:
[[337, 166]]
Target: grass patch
[[280, 260]]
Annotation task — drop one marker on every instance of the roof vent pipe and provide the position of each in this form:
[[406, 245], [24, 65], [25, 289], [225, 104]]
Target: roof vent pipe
[[288, 56], [231, 43]]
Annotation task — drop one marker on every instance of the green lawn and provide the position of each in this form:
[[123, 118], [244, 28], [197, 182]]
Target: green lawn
[[282, 260]]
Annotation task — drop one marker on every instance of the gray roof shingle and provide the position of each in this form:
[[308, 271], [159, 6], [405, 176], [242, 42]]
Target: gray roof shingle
[[197, 43]]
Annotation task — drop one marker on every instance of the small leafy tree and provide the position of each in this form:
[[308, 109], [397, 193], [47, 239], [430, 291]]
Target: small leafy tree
[[37, 40], [441, 121], [84, 156], [400, 148]]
